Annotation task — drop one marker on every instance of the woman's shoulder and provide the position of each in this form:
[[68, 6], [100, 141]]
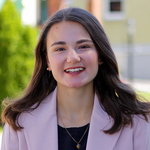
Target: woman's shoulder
[[141, 132], [140, 124], [138, 118], [46, 107]]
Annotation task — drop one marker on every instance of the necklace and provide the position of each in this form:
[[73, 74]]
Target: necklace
[[78, 143]]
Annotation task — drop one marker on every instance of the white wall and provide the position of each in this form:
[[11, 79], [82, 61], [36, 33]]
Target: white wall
[[29, 12], [141, 60]]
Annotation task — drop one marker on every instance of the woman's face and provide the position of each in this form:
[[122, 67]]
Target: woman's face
[[71, 55]]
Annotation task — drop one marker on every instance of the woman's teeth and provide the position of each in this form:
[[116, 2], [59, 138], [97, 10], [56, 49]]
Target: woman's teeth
[[74, 70]]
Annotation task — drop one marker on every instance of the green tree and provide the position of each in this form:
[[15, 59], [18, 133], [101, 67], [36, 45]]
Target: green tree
[[17, 44]]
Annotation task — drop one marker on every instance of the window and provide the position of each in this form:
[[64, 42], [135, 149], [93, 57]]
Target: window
[[115, 6], [113, 9], [43, 11]]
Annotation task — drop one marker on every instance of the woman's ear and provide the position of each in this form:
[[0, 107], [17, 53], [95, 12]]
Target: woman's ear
[[100, 63], [48, 64]]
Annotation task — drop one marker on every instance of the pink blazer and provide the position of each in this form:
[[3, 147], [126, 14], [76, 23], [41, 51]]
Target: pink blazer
[[40, 131]]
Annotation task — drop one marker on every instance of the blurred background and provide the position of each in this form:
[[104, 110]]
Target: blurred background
[[126, 23]]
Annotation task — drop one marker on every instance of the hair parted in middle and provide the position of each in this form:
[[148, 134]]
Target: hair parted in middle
[[106, 83], [94, 28]]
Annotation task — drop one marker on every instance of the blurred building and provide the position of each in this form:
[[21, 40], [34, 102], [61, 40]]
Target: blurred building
[[126, 23]]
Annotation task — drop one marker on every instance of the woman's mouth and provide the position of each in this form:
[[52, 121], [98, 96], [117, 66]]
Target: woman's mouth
[[73, 70]]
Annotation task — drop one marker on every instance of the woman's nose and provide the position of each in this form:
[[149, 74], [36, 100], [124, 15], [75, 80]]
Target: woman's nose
[[73, 56]]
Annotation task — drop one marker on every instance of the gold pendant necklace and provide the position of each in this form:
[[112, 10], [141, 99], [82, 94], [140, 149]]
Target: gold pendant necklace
[[78, 143]]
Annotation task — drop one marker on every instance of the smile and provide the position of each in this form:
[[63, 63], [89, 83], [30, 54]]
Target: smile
[[74, 70]]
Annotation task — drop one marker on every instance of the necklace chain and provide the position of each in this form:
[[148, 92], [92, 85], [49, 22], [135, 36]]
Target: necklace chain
[[78, 143]]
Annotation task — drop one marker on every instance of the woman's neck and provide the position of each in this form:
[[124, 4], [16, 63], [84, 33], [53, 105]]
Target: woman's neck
[[74, 105]]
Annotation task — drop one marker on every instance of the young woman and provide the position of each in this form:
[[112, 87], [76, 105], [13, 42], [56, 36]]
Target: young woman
[[75, 99]]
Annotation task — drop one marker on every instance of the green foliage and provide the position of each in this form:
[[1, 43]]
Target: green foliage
[[1, 130], [17, 44], [146, 95]]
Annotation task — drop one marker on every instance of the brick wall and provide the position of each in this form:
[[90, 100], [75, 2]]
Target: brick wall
[[54, 6]]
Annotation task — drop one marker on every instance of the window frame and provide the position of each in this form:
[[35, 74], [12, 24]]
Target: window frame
[[113, 15]]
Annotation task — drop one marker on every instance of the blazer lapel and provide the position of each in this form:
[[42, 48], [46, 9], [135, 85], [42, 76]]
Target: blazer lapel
[[100, 121], [41, 131], [51, 130]]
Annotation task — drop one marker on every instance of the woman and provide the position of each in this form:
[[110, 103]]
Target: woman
[[75, 99]]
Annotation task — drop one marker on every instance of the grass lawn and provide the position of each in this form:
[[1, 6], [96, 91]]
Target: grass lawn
[[145, 95], [1, 129]]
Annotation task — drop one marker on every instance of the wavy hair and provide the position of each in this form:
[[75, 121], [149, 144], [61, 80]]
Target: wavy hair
[[106, 83]]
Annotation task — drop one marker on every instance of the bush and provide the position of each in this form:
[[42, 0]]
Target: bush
[[17, 44]]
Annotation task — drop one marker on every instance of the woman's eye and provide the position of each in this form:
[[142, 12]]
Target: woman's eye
[[60, 49], [84, 46]]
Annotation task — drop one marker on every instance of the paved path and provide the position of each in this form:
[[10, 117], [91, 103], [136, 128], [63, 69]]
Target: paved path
[[141, 85]]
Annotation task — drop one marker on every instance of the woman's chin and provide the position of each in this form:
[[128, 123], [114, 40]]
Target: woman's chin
[[75, 85], [78, 84]]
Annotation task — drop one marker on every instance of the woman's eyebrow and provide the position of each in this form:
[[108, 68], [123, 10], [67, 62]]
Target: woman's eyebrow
[[58, 43], [83, 40], [64, 43]]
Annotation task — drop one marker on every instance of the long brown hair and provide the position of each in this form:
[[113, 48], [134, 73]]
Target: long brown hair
[[106, 83]]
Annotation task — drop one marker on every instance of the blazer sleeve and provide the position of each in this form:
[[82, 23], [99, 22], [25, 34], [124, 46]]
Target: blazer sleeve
[[142, 134], [9, 139]]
